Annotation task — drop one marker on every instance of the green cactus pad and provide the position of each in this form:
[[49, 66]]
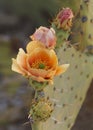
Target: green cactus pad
[[69, 90], [82, 32]]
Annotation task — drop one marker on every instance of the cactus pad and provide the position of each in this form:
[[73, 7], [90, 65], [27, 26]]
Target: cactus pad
[[69, 90]]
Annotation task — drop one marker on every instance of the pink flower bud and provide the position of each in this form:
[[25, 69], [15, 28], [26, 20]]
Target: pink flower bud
[[64, 18], [46, 36]]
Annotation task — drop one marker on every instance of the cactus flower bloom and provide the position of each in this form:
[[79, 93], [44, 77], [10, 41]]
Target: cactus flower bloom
[[64, 18], [39, 63], [46, 36]]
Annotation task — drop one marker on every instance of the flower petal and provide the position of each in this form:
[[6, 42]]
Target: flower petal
[[47, 74], [21, 58], [61, 69], [16, 67], [33, 45], [46, 36], [45, 55], [53, 58]]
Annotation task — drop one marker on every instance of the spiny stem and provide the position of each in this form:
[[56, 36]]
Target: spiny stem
[[37, 125], [39, 94]]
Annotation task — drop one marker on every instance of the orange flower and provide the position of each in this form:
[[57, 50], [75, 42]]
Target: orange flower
[[39, 63], [46, 36]]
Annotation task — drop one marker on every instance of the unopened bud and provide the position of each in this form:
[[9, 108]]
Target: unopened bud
[[64, 19]]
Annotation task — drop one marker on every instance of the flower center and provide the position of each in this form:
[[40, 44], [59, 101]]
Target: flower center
[[40, 65]]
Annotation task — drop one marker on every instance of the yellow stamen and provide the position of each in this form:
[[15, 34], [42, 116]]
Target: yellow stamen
[[40, 65]]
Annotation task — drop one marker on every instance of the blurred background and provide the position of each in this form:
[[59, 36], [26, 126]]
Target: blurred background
[[18, 20]]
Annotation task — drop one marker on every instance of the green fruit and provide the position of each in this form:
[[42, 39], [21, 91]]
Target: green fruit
[[41, 110]]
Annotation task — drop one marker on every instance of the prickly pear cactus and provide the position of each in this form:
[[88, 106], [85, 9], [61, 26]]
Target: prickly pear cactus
[[69, 90], [56, 107]]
